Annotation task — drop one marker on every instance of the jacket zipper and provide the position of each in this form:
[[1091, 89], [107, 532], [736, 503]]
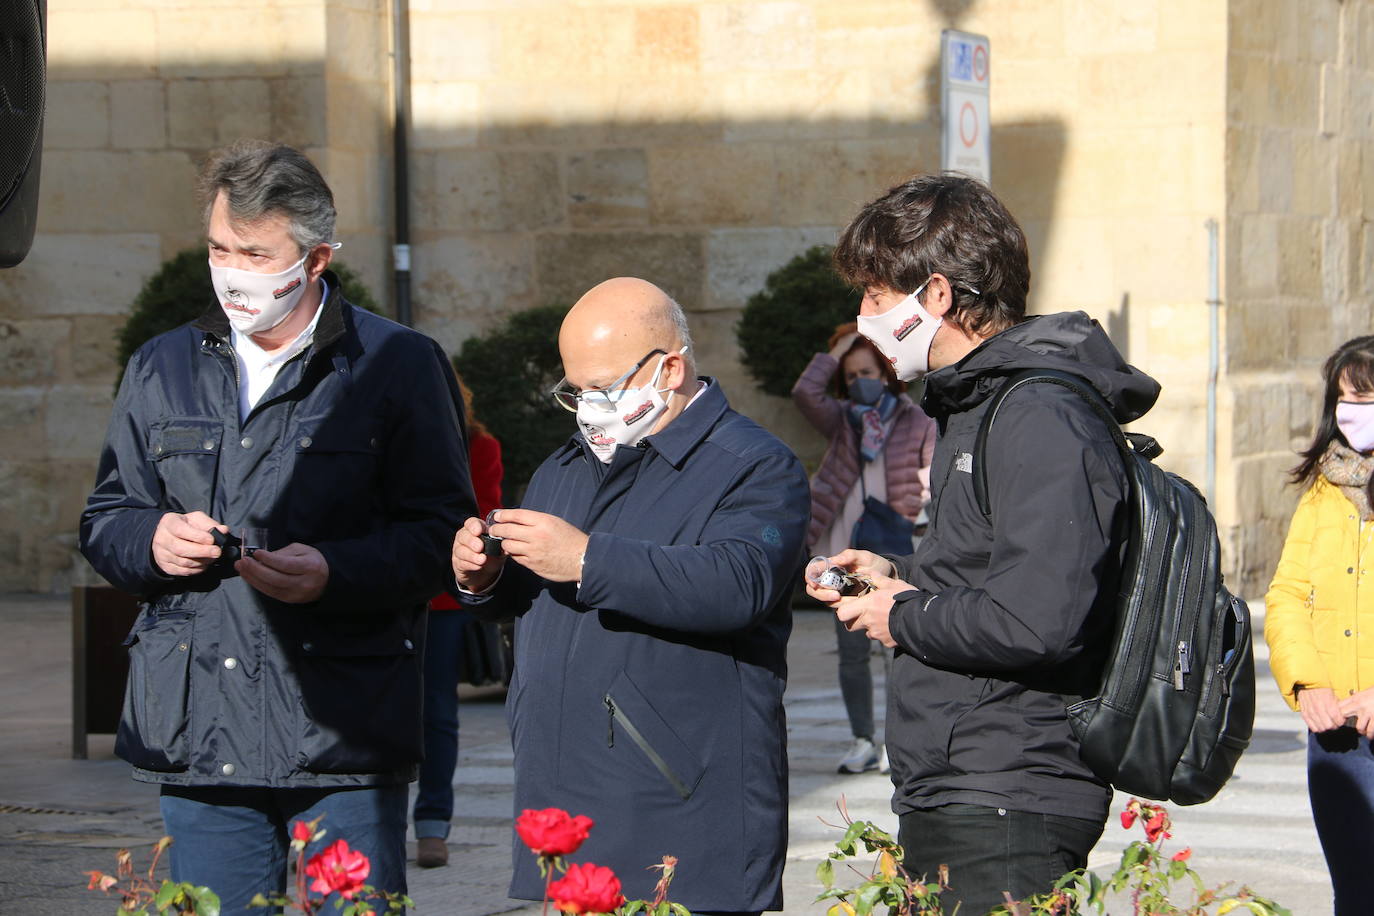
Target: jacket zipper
[[614, 712]]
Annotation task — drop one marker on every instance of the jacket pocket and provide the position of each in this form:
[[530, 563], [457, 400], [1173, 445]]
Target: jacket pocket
[[185, 454], [337, 463], [631, 716], [155, 728], [360, 700]]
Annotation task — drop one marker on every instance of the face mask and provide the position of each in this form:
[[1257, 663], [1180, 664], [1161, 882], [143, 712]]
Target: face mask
[[636, 411], [866, 391], [1356, 423], [903, 334], [259, 302]]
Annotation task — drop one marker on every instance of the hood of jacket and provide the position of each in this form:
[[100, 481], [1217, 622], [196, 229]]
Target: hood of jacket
[[1067, 341]]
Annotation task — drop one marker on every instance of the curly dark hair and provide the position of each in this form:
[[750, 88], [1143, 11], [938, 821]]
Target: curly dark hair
[[1353, 360], [948, 224]]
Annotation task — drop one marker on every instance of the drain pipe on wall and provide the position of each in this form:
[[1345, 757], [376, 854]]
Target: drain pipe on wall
[[400, 251], [1213, 357]]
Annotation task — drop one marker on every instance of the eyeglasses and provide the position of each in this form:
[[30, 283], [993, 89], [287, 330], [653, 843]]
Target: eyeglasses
[[603, 399]]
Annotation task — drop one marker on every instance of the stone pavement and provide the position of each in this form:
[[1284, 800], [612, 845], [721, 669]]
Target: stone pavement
[[59, 817]]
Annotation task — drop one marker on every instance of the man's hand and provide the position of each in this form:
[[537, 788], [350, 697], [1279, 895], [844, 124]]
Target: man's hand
[[1359, 705], [296, 574], [182, 545], [1319, 709], [850, 560], [544, 544], [474, 570], [871, 611]]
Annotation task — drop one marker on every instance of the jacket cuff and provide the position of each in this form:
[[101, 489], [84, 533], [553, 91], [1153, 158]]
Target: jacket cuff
[[904, 621]]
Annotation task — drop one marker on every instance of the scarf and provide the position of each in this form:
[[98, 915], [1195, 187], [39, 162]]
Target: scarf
[[868, 421], [1349, 470]]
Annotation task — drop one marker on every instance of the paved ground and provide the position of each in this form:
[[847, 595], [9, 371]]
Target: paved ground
[[59, 817]]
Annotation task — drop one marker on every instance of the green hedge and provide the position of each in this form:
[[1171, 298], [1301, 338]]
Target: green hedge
[[792, 318], [510, 370]]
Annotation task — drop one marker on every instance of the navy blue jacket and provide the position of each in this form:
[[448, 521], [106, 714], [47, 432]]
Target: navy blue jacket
[[650, 698], [356, 449]]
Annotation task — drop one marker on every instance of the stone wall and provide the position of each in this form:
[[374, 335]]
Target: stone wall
[[138, 93], [1299, 252], [701, 144], [704, 144]]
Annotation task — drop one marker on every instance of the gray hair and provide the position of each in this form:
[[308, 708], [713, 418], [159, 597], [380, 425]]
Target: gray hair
[[677, 320], [259, 179]]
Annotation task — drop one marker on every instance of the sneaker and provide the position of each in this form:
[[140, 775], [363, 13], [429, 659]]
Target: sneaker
[[862, 757], [431, 852], [883, 765]]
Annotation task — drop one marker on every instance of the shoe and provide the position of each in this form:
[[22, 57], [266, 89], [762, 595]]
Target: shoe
[[431, 852], [862, 757], [883, 766]]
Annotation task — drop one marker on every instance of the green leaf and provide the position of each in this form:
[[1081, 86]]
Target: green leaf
[[634, 906], [679, 910], [166, 894], [825, 872], [207, 901], [867, 898]]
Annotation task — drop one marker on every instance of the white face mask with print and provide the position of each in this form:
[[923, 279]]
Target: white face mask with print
[[636, 412], [903, 334], [255, 302]]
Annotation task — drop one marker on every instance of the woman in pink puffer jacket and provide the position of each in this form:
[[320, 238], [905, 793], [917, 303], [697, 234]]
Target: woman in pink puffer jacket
[[854, 398]]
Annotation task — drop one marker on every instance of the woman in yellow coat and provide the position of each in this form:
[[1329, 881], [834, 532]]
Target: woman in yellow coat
[[1319, 623]]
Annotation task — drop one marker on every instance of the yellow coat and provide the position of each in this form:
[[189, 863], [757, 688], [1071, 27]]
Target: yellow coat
[[1319, 614]]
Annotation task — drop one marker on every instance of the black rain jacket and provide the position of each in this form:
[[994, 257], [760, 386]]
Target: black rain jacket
[[1009, 616], [356, 449]]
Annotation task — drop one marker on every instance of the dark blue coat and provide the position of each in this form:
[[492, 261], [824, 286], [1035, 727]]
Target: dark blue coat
[[650, 698], [356, 449]]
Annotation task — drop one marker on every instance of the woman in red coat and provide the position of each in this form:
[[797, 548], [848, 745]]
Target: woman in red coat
[[443, 666]]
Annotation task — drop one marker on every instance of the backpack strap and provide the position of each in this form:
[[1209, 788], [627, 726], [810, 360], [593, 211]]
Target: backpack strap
[[1126, 443]]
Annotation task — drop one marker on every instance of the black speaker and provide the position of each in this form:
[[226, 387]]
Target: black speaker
[[23, 66]]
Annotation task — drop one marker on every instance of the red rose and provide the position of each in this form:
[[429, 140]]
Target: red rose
[[1182, 855], [552, 831], [300, 831], [338, 870], [1157, 826], [587, 889]]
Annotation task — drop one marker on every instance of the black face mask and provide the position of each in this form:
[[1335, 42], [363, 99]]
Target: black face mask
[[866, 391]]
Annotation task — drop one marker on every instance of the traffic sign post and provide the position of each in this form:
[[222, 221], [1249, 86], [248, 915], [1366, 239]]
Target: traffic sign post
[[965, 125]]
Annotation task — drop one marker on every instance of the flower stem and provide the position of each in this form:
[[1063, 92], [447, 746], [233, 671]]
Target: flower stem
[[548, 880]]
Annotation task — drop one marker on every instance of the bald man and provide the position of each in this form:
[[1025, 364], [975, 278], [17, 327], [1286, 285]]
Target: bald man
[[649, 568]]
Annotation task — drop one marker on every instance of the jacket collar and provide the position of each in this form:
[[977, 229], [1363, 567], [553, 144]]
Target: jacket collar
[[331, 326], [677, 440]]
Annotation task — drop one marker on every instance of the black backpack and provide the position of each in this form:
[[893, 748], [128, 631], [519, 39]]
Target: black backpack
[[1176, 702]]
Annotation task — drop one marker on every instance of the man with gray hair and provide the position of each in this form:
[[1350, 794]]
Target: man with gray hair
[[279, 484], [649, 566]]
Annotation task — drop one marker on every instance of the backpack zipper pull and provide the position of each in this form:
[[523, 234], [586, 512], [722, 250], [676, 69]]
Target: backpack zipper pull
[[1181, 664], [610, 720]]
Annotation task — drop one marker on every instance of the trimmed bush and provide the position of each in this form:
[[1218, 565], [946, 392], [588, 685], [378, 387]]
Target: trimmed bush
[[180, 291], [792, 318], [510, 370]]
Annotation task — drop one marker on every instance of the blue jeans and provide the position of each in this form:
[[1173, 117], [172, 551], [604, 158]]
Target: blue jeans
[[443, 668], [991, 850], [1340, 783], [235, 840]]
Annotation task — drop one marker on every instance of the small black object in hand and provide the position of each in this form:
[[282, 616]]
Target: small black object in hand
[[847, 584], [228, 546], [491, 545]]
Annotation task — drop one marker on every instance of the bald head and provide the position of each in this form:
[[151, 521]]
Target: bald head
[[614, 325]]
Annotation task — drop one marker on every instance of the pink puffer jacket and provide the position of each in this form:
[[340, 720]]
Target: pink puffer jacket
[[910, 446]]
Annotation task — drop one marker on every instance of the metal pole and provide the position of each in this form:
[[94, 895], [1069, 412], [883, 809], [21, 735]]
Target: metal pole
[[1213, 356], [400, 156]]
